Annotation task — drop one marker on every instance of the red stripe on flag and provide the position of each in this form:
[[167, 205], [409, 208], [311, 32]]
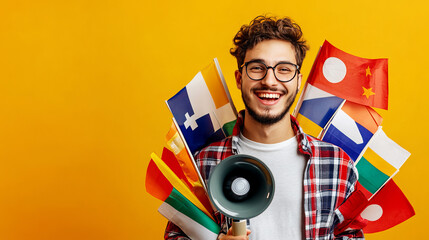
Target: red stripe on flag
[[169, 158], [156, 184]]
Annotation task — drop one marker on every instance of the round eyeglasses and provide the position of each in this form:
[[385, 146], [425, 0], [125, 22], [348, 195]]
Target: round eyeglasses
[[283, 71]]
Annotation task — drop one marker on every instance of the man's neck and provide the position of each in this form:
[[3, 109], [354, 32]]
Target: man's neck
[[272, 133]]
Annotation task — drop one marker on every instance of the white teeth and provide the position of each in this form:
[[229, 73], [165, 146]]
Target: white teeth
[[269, 95]]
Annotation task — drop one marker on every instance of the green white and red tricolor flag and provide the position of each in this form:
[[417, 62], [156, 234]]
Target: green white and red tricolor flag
[[349, 77], [180, 205]]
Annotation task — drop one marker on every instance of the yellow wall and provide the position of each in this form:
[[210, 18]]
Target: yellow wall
[[83, 84]]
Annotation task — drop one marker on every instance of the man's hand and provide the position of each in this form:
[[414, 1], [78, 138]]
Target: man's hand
[[229, 236]]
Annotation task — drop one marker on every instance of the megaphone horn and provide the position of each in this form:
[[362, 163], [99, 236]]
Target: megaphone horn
[[241, 187]]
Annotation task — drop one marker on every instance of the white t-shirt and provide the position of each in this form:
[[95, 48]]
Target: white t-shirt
[[283, 219]]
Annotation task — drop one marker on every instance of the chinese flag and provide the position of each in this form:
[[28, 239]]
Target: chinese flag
[[389, 207], [355, 79]]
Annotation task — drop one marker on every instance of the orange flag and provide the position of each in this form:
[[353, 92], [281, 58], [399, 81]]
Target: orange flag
[[364, 115], [176, 145]]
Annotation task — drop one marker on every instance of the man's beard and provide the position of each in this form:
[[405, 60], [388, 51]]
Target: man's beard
[[268, 119]]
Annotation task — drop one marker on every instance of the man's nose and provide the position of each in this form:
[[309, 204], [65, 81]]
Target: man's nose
[[269, 79]]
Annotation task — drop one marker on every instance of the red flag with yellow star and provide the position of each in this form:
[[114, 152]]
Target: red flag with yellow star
[[353, 78]]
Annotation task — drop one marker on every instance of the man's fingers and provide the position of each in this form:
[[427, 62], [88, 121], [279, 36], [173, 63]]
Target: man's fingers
[[229, 236]]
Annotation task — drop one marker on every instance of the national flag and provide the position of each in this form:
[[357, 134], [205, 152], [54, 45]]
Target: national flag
[[309, 126], [364, 115], [203, 109], [381, 161], [170, 160], [156, 184], [176, 145], [346, 133], [194, 223], [315, 109], [178, 208], [178, 154], [352, 78], [389, 207], [370, 175], [177, 183]]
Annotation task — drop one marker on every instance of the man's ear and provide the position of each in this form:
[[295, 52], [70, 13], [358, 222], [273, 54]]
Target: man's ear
[[299, 81], [238, 79]]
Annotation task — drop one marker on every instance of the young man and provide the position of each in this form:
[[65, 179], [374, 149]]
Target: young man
[[313, 178]]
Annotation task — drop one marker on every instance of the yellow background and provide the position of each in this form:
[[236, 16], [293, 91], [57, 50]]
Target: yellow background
[[83, 84]]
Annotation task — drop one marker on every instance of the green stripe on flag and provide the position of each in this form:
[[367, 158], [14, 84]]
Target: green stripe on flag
[[228, 127], [183, 205], [369, 176]]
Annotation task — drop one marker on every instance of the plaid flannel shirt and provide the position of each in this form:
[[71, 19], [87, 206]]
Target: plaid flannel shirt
[[329, 179]]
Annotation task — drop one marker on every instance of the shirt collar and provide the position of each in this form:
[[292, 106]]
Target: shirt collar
[[303, 142]]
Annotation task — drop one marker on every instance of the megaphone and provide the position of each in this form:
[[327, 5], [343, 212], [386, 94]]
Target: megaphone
[[241, 187]]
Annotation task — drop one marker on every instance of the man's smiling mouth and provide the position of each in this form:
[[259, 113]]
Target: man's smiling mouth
[[268, 96]]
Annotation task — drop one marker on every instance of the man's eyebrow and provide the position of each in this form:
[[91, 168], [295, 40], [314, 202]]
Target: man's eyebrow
[[260, 60]]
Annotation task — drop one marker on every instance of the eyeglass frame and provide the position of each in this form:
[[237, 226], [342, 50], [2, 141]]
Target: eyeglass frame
[[268, 67]]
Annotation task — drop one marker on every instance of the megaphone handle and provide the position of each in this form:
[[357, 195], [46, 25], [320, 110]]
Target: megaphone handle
[[239, 227]]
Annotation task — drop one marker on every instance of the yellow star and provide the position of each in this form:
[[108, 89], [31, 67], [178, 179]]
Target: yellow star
[[367, 92], [368, 71]]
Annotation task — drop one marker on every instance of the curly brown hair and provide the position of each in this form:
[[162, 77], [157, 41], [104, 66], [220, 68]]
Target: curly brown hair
[[265, 28]]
